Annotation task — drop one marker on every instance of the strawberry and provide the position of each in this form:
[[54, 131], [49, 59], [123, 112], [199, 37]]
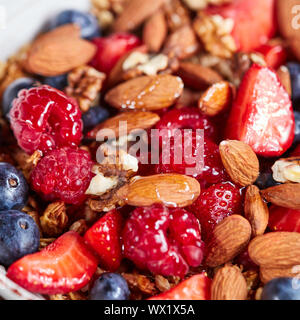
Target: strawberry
[[104, 238], [254, 21], [195, 288], [262, 114], [274, 55], [284, 219], [66, 265]]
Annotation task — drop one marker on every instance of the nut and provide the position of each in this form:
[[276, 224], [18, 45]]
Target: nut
[[267, 274], [256, 211], [284, 195], [140, 282], [79, 226], [201, 4], [240, 161], [285, 78], [154, 65], [216, 98], [146, 92], [59, 51], [134, 59], [171, 190], [228, 239], [84, 85], [276, 249], [229, 284], [176, 14], [287, 170]]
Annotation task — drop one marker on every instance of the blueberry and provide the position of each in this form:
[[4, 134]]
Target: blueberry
[[265, 180], [282, 289], [11, 92], [13, 188], [294, 69], [58, 82], [94, 116], [110, 286], [297, 127], [88, 23]]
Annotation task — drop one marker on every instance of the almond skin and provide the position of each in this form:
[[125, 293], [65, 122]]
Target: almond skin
[[284, 195], [240, 161], [285, 78], [267, 274], [171, 190], [135, 121], [228, 239], [229, 284], [147, 92], [59, 51], [276, 249], [256, 211]]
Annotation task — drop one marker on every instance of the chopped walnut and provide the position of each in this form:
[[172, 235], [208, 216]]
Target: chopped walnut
[[162, 283], [44, 242], [252, 279], [84, 85], [79, 226], [215, 33], [140, 282], [68, 296], [54, 220], [32, 209], [176, 14]]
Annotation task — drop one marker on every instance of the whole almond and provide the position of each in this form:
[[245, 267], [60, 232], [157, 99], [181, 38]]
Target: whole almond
[[216, 98], [286, 16], [229, 284], [240, 161], [135, 120], [276, 249], [285, 79], [267, 274], [284, 195], [256, 211], [171, 190], [147, 92], [59, 51], [135, 13], [155, 31], [228, 239]]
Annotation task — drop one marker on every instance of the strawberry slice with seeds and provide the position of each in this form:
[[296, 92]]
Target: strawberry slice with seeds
[[66, 265], [104, 238], [195, 288], [262, 114], [284, 219]]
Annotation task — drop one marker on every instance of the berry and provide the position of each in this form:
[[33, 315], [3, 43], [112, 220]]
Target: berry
[[297, 127], [58, 82], [104, 238], [275, 55], [44, 118], [163, 241], [111, 49], [281, 289], [294, 69], [110, 286], [284, 219], [66, 265], [244, 260], [19, 236], [93, 117], [88, 23], [13, 188], [265, 180], [216, 203], [262, 114], [63, 174], [11, 92], [255, 15], [195, 288]]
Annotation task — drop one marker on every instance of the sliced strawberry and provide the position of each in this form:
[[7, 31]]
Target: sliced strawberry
[[284, 219], [104, 238], [195, 288], [254, 21], [64, 266], [274, 55], [262, 114]]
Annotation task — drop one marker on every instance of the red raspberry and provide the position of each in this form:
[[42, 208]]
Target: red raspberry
[[111, 49], [43, 118], [163, 241], [216, 203], [63, 174]]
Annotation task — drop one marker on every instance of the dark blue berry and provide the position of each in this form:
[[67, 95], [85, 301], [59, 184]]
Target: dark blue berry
[[11, 92], [88, 23], [19, 236], [297, 127], [58, 82], [13, 188], [294, 69], [265, 180], [282, 289], [110, 286], [94, 116]]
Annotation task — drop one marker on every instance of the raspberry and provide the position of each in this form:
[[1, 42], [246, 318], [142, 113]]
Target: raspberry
[[43, 118], [163, 241], [63, 174], [216, 203]]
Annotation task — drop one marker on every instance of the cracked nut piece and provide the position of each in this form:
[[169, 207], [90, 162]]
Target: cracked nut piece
[[177, 15], [201, 4], [287, 170], [84, 85]]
